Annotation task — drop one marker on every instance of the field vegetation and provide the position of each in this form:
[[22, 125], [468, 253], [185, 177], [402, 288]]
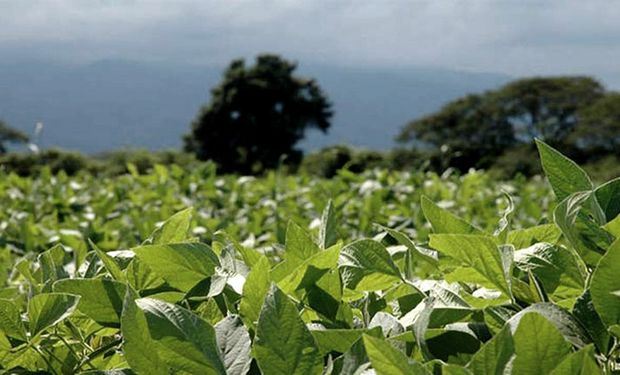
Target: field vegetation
[[190, 272]]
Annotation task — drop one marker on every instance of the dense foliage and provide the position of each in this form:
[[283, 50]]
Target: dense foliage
[[574, 114], [379, 272], [256, 115]]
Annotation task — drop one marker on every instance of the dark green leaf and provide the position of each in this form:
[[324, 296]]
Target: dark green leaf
[[46, 310], [328, 231], [283, 345], [366, 265]]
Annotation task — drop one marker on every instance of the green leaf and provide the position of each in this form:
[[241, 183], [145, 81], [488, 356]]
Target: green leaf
[[563, 174], [101, 300], [455, 343], [607, 197], [250, 256], [182, 266], [563, 321], [366, 265], [613, 227], [141, 277], [337, 340], [110, 264], [586, 314], [48, 309], [299, 245], [234, 343], [421, 322], [496, 316], [310, 271], [52, 264], [480, 253], [494, 355], [581, 362], [10, 320], [183, 340], [605, 281], [283, 345], [427, 257], [254, 290], [539, 346], [583, 233], [138, 347], [387, 360], [354, 361], [443, 221], [560, 270], [328, 231], [449, 369], [173, 230], [522, 238]]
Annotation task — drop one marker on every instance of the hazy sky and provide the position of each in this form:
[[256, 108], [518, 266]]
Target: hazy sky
[[514, 37]]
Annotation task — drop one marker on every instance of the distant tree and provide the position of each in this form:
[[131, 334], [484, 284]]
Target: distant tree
[[545, 108], [598, 127], [466, 132], [10, 135], [473, 130], [256, 115]]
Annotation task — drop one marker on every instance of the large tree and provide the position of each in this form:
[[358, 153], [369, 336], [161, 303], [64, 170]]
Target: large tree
[[474, 129], [545, 108], [10, 135], [256, 115], [598, 127], [467, 131]]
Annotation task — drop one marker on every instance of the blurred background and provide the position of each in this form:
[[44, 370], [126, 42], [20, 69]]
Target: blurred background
[[402, 84]]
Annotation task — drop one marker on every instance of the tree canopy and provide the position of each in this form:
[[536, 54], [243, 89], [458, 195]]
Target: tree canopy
[[256, 115], [598, 126], [571, 113], [10, 135]]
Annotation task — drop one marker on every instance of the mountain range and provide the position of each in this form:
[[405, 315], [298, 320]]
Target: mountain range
[[124, 104]]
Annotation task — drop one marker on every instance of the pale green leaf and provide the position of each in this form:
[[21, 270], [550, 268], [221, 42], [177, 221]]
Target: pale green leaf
[[387, 360], [443, 221], [478, 252], [181, 265], [605, 281], [564, 175], [173, 230], [254, 290], [101, 300], [539, 346]]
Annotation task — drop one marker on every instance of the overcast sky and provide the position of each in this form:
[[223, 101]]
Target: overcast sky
[[514, 37]]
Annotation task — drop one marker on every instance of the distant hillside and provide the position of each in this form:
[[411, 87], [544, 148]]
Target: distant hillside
[[113, 104]]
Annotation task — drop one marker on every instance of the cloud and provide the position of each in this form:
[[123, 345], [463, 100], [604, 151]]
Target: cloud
[[514, 37]]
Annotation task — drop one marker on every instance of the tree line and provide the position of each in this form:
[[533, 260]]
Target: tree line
[[258, 113], [574, 114]]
